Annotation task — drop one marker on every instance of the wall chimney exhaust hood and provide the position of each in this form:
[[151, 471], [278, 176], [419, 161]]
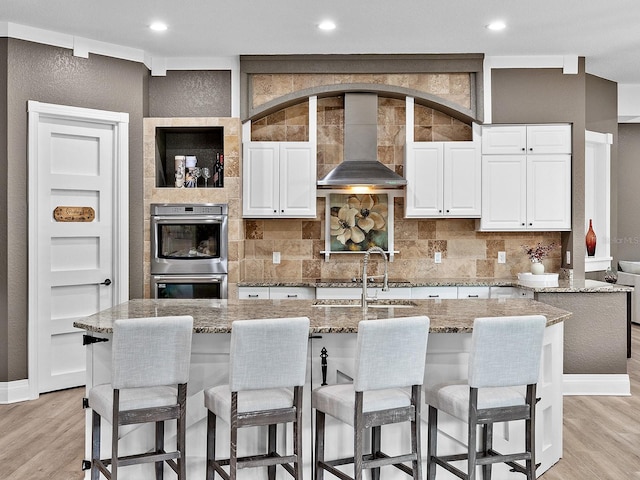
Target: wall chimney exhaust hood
[[361, 166]]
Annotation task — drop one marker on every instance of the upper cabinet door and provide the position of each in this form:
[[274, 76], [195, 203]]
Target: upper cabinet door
[[504, 192], [260, 179], [462, 179], [297, 179], [279, 179], [549, 192], [543, 139], [504, 139], [424, 163], [526, 139]]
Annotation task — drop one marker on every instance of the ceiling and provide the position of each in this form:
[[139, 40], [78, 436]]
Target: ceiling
[[606, 33]]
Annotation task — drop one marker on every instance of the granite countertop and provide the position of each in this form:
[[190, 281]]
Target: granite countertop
[[216, 316], [564, 286]]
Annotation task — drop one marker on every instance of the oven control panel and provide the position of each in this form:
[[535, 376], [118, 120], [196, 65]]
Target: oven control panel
[[189, 209]]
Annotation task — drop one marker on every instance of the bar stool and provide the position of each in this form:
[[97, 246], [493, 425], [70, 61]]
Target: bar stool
[[150, 356], [268, 362], [389, 371], [504, 357]]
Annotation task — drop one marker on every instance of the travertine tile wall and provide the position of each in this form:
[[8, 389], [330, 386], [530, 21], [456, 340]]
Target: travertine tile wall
[[465, 252], [230, 194]]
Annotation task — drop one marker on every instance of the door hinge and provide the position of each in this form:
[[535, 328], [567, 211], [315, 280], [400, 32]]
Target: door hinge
[[85, 403], [86, 465], [89, 339]]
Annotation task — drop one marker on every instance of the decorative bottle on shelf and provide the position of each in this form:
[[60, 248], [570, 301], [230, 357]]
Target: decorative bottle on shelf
[[591, 240]]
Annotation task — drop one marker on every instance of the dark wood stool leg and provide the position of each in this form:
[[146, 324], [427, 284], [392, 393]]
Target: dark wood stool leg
[[211, 444], [473, 434], [233, 447], [114, 434], [416, 465], [530, 432], [487, 445], [375, 449], [358, 438], [319, 445], [297, 433], [181, 433], [159, 448], [432, 443], [271, 469], [95, 446]]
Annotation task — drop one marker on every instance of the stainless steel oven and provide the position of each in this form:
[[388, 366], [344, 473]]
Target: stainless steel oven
[[189, 286], [189, 244], [189, 238]]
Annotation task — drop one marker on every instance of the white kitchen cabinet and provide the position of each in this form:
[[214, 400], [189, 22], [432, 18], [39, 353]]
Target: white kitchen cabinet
[[279, 180], [292, 293], [253, 293], [473, 292], [434, 293], [276, 293], [350, 293], [510, 292], [530, 139], [529, 188], [443, 179]]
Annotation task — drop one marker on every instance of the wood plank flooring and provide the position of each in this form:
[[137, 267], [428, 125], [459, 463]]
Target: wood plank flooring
[[44, 439]]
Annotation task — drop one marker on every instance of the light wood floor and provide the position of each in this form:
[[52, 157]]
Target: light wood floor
[[44, 439]]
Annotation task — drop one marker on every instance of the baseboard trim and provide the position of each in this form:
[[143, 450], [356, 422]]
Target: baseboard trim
[[16, 391], [596, 384]]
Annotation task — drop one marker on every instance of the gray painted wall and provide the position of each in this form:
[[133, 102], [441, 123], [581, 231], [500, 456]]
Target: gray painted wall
[[547, 96], [628, 237], [53, 75], [4, 224], [191, 94]]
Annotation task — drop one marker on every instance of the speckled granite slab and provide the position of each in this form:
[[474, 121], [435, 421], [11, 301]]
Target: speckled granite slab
[[566, 286], [216, 316]]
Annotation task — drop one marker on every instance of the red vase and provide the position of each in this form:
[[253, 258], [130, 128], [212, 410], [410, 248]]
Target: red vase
[[591, 240]]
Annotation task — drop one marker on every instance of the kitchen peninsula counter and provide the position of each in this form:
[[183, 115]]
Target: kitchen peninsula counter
[[216, 316], [332, 346]]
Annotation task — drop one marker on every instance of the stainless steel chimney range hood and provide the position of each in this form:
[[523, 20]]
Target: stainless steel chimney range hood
[[360, 166]]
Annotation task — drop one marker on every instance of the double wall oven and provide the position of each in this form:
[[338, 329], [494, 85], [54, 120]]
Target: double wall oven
[[189, 244]]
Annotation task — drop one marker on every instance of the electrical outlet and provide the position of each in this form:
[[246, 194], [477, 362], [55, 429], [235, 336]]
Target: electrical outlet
[[276, 258], [568, 257], [437, 257], [502, 257]]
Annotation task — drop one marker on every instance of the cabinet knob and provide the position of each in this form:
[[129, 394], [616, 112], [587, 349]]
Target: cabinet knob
[[282, 211], [531, 149], [275, 211], [531, 224], [523, 224], [524, 149], [448, 210]]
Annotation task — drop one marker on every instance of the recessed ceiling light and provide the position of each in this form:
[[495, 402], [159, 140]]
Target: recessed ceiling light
[[327, 25], [498, 25], [158, 26]]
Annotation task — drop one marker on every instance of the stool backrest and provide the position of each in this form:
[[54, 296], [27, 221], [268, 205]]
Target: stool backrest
[[268, 353], [149, 352], [391, 353], [506, 351]]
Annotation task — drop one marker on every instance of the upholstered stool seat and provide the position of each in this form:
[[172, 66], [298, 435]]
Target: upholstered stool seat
[[267, 367], [389, 371], [504, 364], [149, 371]]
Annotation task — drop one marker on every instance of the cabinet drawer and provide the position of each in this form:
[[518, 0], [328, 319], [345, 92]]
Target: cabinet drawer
[[473, 292], [292, 293], [253, 293], [510, 292], [421, 293]]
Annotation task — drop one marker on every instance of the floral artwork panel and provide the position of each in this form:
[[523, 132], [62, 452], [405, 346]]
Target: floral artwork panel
[[358, 222]]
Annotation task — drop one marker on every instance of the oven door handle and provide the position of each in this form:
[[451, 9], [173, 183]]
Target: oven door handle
[[188, 278], [189, 218]]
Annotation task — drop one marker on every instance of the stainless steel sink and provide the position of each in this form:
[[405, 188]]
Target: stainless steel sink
[[381, 303]]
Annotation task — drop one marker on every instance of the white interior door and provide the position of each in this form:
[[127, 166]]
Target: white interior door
[[74, 261]]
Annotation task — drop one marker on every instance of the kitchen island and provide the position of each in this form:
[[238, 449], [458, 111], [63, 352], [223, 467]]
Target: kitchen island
[[334, 329]]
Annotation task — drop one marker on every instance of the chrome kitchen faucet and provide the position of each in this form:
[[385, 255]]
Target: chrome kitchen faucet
[[385, 277]]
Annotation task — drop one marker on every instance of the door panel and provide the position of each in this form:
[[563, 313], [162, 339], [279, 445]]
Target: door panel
[[75, 168]]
